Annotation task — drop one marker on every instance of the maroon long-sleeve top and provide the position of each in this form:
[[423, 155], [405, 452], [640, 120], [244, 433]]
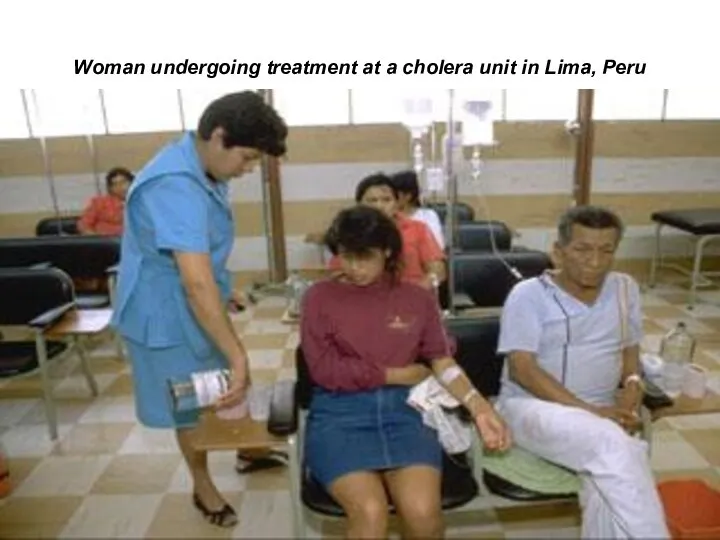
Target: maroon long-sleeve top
[[351, 334]]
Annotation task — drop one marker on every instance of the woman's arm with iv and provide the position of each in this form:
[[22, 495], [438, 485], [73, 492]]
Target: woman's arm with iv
[[436, 346]]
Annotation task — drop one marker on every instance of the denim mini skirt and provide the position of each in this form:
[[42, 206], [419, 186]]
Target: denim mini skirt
[[374, 430]]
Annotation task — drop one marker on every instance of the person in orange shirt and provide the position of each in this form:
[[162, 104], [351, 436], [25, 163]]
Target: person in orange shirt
[[423, 261], [104, 214]]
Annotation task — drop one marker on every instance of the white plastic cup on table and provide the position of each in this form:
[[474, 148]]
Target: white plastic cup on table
[[695, 382], [236, 412], [260, 399], [673, 379]]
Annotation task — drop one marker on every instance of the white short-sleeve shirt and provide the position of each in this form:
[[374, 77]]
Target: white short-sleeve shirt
[[578, 344]]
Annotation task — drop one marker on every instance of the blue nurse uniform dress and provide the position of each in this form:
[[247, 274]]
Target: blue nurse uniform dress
[[172, 206]]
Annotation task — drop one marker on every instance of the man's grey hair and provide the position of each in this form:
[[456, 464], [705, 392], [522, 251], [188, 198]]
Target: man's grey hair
[[592, 217]]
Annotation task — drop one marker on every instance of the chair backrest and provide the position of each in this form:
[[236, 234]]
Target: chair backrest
[[57, 226], [26, 293], [477, 339], [85, 257], [487, 281], [476, 353], [463, 212], [473, 236]]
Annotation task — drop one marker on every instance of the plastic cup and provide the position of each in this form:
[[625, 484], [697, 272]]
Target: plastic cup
[[235, 412], [260, 401], [673, 379]]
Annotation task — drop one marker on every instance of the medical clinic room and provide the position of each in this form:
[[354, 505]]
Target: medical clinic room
[[325, 313]]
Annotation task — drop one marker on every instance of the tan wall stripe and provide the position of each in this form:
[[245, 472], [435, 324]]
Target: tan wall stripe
[[381, 143]]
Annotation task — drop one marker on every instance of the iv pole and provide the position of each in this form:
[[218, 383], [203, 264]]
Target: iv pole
[[46, 158], [90, 138], [451, 145], [419, 120], [451, 201]]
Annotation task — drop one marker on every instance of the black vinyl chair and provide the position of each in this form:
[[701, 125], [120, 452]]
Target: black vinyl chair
[[81, 257], [474, 236], [37, 299], [486, 277], [58, 226], [463, 211]]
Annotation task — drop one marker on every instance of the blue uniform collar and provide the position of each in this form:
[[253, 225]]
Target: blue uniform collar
[[219, 189]]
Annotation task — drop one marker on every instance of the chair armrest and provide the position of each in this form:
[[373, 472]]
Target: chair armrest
[[51, 316], [113, 270], [41, 266], [283, 419]]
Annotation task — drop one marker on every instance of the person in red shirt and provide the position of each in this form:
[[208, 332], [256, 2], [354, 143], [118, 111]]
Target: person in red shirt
[[104, 214], [422, 261], [363, 442]]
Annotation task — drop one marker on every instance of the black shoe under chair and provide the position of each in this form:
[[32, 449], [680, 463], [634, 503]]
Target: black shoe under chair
[[249, 464]]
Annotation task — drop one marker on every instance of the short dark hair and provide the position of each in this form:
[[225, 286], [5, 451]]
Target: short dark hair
[[247, 121], [374, 180], [407, 182], [592, 217], [118, 171], [360, 229]]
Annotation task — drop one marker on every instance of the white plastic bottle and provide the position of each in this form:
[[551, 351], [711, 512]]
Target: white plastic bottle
[[676, 350]]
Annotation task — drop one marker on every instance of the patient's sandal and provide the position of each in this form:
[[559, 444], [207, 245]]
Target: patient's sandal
[[250, 464], [225, 517]]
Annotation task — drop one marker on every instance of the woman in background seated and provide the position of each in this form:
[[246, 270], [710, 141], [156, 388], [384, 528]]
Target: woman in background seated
[[104, 214], [422, 261], [408, 188], [361, 333]]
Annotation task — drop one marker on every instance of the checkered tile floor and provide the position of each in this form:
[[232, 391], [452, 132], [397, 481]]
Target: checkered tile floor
[[110, 477]]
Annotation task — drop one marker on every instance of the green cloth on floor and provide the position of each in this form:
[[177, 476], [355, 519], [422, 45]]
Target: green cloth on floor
[[528, 471]]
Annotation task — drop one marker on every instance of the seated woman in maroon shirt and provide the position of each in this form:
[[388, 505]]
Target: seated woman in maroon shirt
[[361, 333]]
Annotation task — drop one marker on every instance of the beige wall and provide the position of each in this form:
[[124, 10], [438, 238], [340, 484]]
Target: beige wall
[[639, 167]]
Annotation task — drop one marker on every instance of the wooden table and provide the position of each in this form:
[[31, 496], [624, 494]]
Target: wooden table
[[685, 406], [80, 322], [216, 434]]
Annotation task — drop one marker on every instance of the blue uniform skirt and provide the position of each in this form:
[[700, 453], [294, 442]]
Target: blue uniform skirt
[[366, 431], [151, 370]]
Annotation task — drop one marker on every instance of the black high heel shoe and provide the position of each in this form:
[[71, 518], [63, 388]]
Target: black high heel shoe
[[225, 517]]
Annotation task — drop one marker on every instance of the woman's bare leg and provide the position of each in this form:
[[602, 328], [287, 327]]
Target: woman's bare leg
[[362, 496], [197, 463], [416, 493]]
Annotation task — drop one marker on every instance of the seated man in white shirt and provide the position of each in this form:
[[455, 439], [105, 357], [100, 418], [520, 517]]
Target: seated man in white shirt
[[568, 352]]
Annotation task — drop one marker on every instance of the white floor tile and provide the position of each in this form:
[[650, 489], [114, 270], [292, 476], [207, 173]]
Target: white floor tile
[[64, 475], [30, 440], [110, 409], [670, 452], [143, 440], [112, 516]]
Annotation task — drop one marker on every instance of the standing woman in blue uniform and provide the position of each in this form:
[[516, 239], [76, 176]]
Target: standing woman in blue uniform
[[173, 287]]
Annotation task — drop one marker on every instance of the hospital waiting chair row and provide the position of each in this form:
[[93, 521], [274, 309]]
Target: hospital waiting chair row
[[83, 258], [472, 481]]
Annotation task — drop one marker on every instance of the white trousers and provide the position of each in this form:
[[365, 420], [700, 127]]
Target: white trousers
[[619, 498]]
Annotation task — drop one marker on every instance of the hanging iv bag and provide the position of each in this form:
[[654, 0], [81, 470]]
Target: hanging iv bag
[[418, 115], [477, 123]]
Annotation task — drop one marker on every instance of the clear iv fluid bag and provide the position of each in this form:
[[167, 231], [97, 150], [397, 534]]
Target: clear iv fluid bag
[[477, 133], [477, 123], [418, 115]]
